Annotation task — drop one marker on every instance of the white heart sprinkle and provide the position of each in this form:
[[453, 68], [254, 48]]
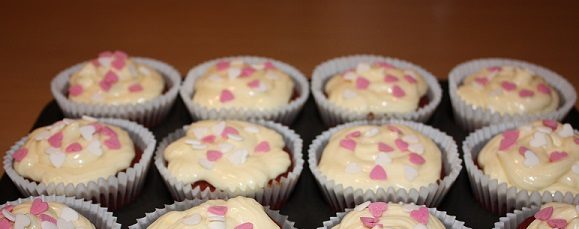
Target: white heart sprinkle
[[215, 218], [144, 70], [350, 76], [57, 159], [89, 118], [105, 61], [94, 147], [410, 173], [383, 159], [215, 78], [353, 168], [69, 214], [87, 132], [233, 73], [206, 163], [416, 148], [372, 132], [566, 131], [21, 221], [235, 137], [530, 159], [362, 67], [410, 207], [362, 206], [544, 129], [272, 75], [193, 219], [8, 215], [218, 128], [50, 225], [195, 144], [258, 66], [216, 225], [51, 150], [539, 139], [64, 224], [410, 138], [238, 157], [349, 94], [225, 147], [420, 226], [200, 132], [575, 168], [252, 129], [43, 135]]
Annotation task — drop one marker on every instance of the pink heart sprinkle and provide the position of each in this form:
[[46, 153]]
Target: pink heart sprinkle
[[213, 155], [113, 143], [481, 80], [222, 65], [577, 141], [229, 130], [401, 144], [526, 93], [120, 55], [107, 131], [218, 210], [508, 86], [544, 214], [494, 69], [377, 208], [20, 154], [262, 147], [45, 217], [398, 92], [118, 63], [509, 139], [348, 144], [557, 223], [226, 96], [38, 206], [420, 215], [247, 71], [106, 54], [110, 79], [390, 79], [268, 65], [137, 87], [75, 90], [253, 84], [5, 224], [410, 79], [209, 139], [354, 134], [383, 147], [416, 159], [247, 225], [557, 156], [544, 89], [550, 123], [522, 150], [394, 129], [95, 62], [378, 173], [370, 222], [362, 83], [74, 147], [56, 140], [384, 64]]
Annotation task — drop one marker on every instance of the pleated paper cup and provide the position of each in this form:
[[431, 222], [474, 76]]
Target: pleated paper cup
[[273, 195], [334, 115], [499, 197], [341, 197], [285, 114], [470, 117], [514, 219], [100, 217], [448, 220], [113, 191], [151, 217], [148, 113]]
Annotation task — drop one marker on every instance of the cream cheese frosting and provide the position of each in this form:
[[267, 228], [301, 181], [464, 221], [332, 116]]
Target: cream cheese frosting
[[40, 214], [237, 84], [378, 88], [373, 157], [74, 151], [556, 215], [230, 155], [540, 156], [389, 215], [236, 213], [115, 79], [509, 90]]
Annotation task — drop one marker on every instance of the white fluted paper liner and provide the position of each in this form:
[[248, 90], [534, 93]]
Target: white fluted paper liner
[[148, 113], [496, 196], [334, 115], [447, 220], [151, 217], [514, 219], [273, 195], [285, 114], [341, 197], [100, 217], [471, 118], [113, 191]]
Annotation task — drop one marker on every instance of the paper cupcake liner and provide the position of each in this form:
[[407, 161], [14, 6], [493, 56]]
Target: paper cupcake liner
[[341, 197], [334, 115], [496, 196], [272, 195], [284, 115], [471, 118], [113, 191], [513, 220], [448, 220], [148, 113], [151, 217], [100, 217]]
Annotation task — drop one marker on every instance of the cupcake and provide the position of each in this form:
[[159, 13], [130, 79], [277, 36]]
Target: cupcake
[[114, 85], [245, 87], [392, 215], [86, 158], [490, 91], [550, 215], [55, 212], [214, 159], [238, 212], [387, 160], [372, 87], [515, 165]]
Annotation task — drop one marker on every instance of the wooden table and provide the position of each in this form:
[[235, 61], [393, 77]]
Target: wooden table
[[38, 39]]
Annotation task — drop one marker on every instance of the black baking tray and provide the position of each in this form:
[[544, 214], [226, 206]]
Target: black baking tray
[[306, 206]]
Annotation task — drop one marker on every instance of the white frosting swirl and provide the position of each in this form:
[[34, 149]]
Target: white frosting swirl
[[557, 214], [38, 214], [393, 216]]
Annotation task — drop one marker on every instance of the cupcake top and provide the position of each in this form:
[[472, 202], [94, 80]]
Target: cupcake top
[[230, 155], [540, 156], [40, 214], [377, 88], [114, 79], [74, 151], [389, 215], [509, 90], [237, 84], [373, 157], [237, 213], [556, 215]]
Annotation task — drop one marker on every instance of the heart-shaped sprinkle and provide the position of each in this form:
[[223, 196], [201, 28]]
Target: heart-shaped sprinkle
[[206, 163], [509, 139], [394, 129], [217, 210], [362, 68], [214, 155], [229, 131], [209, 139], [87, 132], [410, 138], [370, 222], [45, 217], [113, 143], [522, 150], [416, 148], [222, 65], [481, 80], [377, 209], [420, 215], [354, 134], [526, 93], [398, 92], [68, 214], [350, 76], [530, 159], [551, 124], [253, 84], [544, 214], [416, 159], [5, 224], [192, 219], [262, 147], [118, 63], [57, 159], [38, 206], [20, 154], [75, 90], [362, 206], [544, 89], [268, 65], [73, 148], [557, 156], [108, 81], [94, 147], [105, 130], [137, 87], [233, 73], [494, 69], [8, 215], [362, 83], [508, 86], [348, 144], [565, 131], [390, 79], [247, 225], [353, 168], [120, 55], [577, 141], [56, 140], [557, 223], [239, 157], [383, 147], [217, 129], [378, 173], [371, 132], [43, 135], [200, 132], [21, 221], [401, 144], [410, 79], [539, 139], [383, 159], [247, 71], [410, 173], [226, 96]]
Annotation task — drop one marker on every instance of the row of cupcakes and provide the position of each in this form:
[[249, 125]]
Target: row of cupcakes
[[361, 87]]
